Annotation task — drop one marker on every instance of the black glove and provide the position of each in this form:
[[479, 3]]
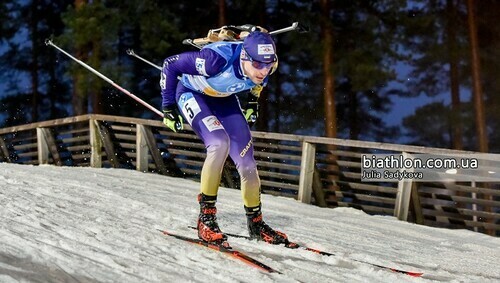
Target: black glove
[[172, 118], [251, 111]]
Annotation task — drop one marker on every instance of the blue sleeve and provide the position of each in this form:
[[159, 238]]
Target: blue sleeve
[[205, 62]]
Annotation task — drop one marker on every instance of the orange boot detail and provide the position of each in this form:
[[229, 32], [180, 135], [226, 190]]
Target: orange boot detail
[[208, 229], [259, 230]]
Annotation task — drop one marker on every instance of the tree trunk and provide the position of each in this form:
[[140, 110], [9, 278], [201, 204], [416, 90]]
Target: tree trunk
[[456, 120], [97, 107], [354, 123], [328, 77], [34, 61], [482, 137], [222, 13], [329, 104], [78, 99]]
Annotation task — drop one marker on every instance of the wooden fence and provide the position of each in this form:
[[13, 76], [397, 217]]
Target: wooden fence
[[322, 171]]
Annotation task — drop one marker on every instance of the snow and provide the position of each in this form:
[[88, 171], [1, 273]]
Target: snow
[[73, 224]]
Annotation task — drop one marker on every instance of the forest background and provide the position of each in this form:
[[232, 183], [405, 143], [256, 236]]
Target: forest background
[[414, 72]]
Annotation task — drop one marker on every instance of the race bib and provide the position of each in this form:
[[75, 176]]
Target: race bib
[[190, 108]]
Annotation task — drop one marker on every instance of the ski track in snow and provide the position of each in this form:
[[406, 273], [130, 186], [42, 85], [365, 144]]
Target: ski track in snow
[[72, 224]]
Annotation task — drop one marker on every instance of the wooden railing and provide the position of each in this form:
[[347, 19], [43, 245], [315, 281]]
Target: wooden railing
[[317, 170]]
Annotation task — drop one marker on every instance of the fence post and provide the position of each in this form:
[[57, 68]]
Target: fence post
[[417, 206], [42, 146], [474, 205], [306, 172], [152, 148], [95, 145], [141, 148], [403, 196], [4, 151]]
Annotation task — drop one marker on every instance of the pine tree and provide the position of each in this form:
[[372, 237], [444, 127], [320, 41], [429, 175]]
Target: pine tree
[[438, 36], [33, 92], [91, 32], [489, 45], [477, 93]]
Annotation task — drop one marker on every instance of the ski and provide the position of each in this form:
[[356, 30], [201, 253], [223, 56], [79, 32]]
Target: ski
[[225, 249], [293, 245]]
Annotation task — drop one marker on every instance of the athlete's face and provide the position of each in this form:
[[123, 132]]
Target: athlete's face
[[254, 73]]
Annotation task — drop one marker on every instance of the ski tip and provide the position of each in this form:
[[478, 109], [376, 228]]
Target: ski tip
[[415, 274], [409, 273], [164, 232]]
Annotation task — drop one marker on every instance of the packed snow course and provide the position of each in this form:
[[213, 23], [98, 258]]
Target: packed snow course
[[70, 224]]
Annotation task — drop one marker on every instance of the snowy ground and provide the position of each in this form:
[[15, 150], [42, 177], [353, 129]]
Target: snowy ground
[[99, 225]]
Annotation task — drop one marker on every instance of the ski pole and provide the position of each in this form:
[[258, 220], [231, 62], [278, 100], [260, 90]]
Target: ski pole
[[49, 42], [132, 53]]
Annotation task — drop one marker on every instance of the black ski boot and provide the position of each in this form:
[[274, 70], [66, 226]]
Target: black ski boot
[[208, 229], [259, 230]]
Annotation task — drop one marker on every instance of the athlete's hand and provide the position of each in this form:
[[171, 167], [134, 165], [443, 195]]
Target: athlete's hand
[[172, 118]]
